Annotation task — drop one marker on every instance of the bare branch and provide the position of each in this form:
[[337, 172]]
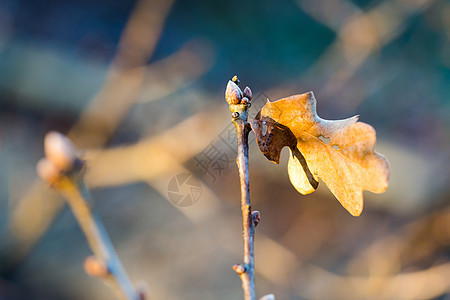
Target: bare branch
[[238, 107], [64, 171]]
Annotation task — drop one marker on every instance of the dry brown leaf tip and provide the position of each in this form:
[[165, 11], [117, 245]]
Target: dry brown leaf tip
[[347, 162]]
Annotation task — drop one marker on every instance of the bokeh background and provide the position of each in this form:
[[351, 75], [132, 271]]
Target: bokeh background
[[139, 85]]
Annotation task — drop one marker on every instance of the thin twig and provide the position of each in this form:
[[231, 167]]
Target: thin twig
[[239, 103], [248, 274], [63, 169], [79, 199]]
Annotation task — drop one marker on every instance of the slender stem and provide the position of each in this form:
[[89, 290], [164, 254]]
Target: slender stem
[[81, 204], [248, 273]]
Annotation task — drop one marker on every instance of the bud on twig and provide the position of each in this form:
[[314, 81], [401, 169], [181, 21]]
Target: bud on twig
[[47, 170], [61, 158], [142, 290], [233, 93], [240, 269], [256, 217], [248, 93], [94, 267], [59, 150]]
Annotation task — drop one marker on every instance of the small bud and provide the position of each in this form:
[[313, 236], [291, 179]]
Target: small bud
[[235, 79], [94, 267], [59, 150], [267, 297], [256, 216], [47, 170], [240, 269], [245, 101], [233, 93], [142, 290], [248, 93], [235, 115]]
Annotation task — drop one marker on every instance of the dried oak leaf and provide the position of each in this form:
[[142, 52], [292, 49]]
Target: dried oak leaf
[[347, 164]]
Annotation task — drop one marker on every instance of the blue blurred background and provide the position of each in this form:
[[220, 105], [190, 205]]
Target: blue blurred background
[[139, 86]]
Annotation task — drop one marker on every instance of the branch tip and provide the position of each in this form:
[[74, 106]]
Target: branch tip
[[233, 93], [60, 150], [62, 160]]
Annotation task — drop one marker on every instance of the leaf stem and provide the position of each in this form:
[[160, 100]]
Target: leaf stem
[[79, 200]]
